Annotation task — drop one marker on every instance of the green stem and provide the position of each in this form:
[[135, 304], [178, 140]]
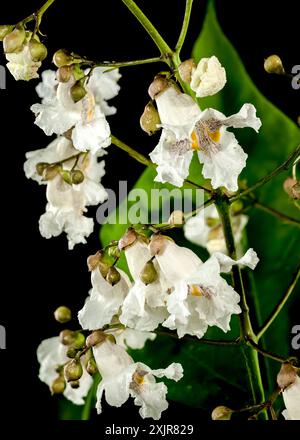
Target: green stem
[[185, 25], [148, 26], [86, 412], [283, 167], [38, 15], [284, 218], [280, 305], [268, 354], [201, 341], [118, 64]]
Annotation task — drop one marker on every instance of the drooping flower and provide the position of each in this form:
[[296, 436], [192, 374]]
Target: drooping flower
[[22, 66], [52, 354], [205, 229], [58, 113], [186, 129], [67, 201], [208, 78], [122, 378]]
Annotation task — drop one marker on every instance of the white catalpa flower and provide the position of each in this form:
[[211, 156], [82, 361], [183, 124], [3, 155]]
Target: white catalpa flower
[[205, 229], [291, 397], [122, 378], [130, 338], [144, 308], [104, 301], [59, 113], [21, 65], [208, 78], [67, 202], [186, 129], [52, 354]]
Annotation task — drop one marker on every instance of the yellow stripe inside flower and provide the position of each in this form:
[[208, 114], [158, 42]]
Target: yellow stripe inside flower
[[138, 378], [215, 136], [195, 290], [195, 143], [89, 108]]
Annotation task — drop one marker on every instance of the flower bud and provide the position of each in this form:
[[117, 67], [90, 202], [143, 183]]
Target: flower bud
[[94, 260], [78, 91], [63, 314], [185, 70], [77, 177], [75, 384], [103, 268], [58, 386], [79, 341], [291, 187], [13, 42], [157, 244], [64, 73], [158, 85], [95, 338], [273, 64], [66, 176], [62, 58], [71, 352], [111, 339], [51, 172], [67, 337], [296, 191], [176, 218], [150, 119], [221, 413], [148, 274], [91, 367], [73, 370], [128, 239], [287, 376], [113, 276], [5, 29], [113, 251], [38, 51], [40, 167]]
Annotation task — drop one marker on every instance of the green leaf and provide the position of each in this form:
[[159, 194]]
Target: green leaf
[[217, 375]]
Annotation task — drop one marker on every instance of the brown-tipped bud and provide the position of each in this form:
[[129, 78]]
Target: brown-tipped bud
[[51, 172], [38, 51], [67, 337], [113, 276], [75, 384], [158, 85], [157, 244], [148, 274], [78, 91], [128, 239], [79, 341], [40, 167], [95, 338], [5, 29], [221, 413], [13, 42], [91, 367], [62, 58], [176, 218], [286, 376], [273, 64], [114, 251], [296, 191], [73, 370], [64, 73], [71, 352], [288, 184], [94, 260], [77, 177], [185, 70], [150, 119], [58, 385], [63, 314]]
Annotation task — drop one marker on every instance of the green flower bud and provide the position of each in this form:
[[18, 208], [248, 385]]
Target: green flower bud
[[73, 370], [58, 386], [273, 64], [51, 172], [150, 119], [72, 352], [62, 58], [13, 42], [149, 273], [103, 268], [78, 91], [91, 367], [38, 50], [64, 73], [66, 176], [221, 413], [77, 177], [75, 384], [40, 167], [67, 337], [212, 222], [63, 314], [79, 341], [5, 29], [113, 276], [95, 338], [111, 339], [113, 252]]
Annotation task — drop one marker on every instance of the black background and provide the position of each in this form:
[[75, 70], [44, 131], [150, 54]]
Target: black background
[[38, 274]]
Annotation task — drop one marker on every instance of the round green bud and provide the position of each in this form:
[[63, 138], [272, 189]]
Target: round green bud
[[103, 268], [75, 384], [62, 58], [221, 413], [95, 338], [148, 274], [38, 51], [73, 370], [273, 64], [64, 73], [72, 352], [91, 367], [66, 176], [58, 385], [51, 172], [67, 337], [113, 276], [63, 314], [113, 252], [79, 341], [78, 91], [150, 119], [77, 177], [13, 42], [5, 29], [40, 167]]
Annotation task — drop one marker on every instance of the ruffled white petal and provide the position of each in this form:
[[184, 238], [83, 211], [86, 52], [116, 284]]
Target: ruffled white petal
[[133, 338], [21, 65], [208, 78], [250, 259]]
